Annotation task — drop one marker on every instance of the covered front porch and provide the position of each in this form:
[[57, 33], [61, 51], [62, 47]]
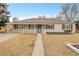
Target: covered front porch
[[29, 28], [39, 28]]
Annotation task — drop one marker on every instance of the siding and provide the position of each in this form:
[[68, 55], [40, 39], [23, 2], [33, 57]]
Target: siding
[[57, 28]]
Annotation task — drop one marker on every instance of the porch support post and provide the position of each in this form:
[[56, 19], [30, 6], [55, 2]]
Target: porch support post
[[23, 27], [34, 29]]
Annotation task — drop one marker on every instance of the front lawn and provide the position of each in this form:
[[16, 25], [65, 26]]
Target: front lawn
[[55, 44], [22, 44]]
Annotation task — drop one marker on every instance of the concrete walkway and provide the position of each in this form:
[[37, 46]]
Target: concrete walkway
[[38, 49]]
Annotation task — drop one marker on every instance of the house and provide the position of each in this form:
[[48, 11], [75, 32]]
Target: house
[[2, 29], [42, 25], [77, 26]]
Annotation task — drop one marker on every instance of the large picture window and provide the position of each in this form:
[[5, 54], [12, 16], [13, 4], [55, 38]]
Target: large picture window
[[50, 26], [66, 26]]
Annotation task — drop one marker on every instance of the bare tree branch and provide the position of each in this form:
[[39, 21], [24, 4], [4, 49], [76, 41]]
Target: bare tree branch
[[70, 11]]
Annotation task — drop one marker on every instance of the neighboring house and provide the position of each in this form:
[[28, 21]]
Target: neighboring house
[[77, 26], [5, 28], [42, 25], [2, 29]]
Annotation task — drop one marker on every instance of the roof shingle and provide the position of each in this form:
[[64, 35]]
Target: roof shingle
[[42, 21]]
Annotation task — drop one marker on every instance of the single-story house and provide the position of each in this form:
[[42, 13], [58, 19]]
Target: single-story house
[[42, 25], [77, 26]]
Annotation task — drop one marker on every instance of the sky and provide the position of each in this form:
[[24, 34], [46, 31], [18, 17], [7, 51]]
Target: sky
[[29, 10]]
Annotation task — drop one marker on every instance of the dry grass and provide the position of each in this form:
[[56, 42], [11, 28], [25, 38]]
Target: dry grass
[[20, 45], [55, 44]]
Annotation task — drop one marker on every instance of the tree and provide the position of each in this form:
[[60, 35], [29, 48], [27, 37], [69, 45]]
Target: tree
[[59, 16], [4, 14], [70, 11], [15, 19]]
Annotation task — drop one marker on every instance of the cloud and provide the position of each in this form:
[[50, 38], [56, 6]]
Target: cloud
[[21, 18], [11, 19]]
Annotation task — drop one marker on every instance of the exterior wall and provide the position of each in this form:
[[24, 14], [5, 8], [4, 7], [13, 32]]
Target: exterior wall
[[43, 29], [57, 28], [3, 29]]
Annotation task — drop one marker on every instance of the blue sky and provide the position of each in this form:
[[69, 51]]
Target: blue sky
[[33, 9]]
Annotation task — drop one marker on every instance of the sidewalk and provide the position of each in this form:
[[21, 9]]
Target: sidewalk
[[38, 49]]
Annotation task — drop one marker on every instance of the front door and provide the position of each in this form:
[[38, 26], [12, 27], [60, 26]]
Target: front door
[[39, 28]]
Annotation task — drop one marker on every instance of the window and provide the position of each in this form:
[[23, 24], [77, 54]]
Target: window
[[15, 26], [31, 26], [20, 26], [50, 26], [66, 26]]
